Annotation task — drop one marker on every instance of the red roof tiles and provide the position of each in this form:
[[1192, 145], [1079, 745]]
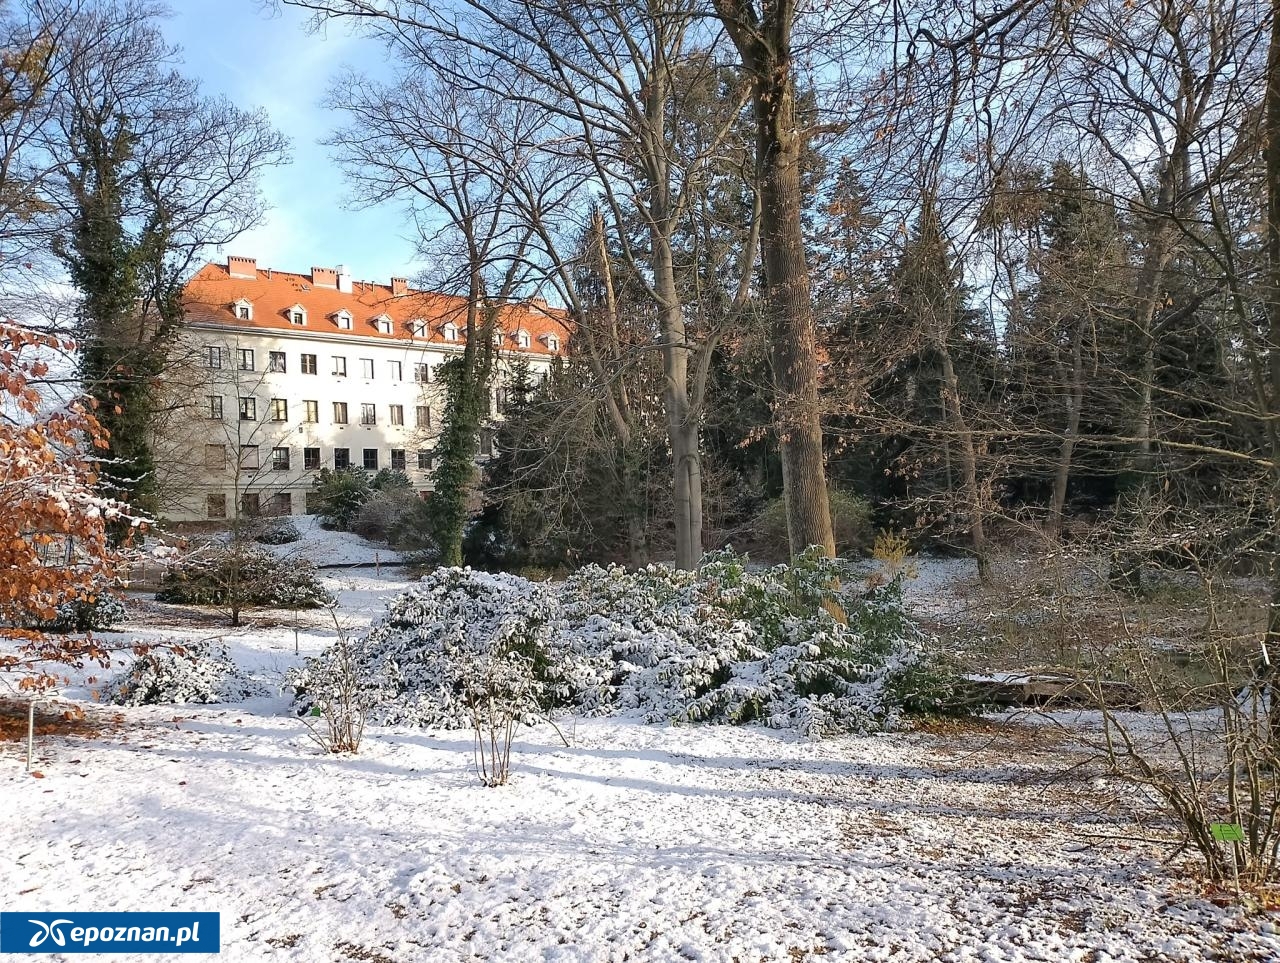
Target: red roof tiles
[[211, 297]]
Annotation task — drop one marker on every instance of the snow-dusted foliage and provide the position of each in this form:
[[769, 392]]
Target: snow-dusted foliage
[[196, 672], [283, 532], [782, 646], [731, 644], [246, 574], [454, 633], [102, 612]]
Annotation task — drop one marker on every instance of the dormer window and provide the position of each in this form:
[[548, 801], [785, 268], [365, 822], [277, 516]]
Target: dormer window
[[450, 332], [382, 324], [552, 342], [297, 315], [343, 320], [523, 339], [243, 309], [418, 328]]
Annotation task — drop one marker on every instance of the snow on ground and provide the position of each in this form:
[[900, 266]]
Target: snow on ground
[[634, 843], [637, 842], [324, 548]]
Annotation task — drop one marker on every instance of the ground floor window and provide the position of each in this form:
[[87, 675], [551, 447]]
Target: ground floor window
[[217, 506], [282, 503]]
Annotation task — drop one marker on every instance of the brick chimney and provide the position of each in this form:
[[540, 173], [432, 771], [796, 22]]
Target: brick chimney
[[324, 277], [539, 303], [399, 286], [242, 267]]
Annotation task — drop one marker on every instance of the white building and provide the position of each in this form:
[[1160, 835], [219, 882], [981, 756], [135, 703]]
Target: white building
[[281, 374]]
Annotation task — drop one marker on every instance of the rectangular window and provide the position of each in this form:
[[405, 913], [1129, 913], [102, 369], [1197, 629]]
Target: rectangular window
[[422, 373], [215, 407], [368, 414], [246, 359], [217, 506], [215, 456], [248, 409], [244, 312], [311, 411], [426, 460], [311, 458], [371, 459], [501, 397], [308, 364], [313, 503], [424, 417], [366, 368], [249, 505], [279, 409], [397, 459], [342, 458], [279, 459], [486, 441], [339, 366], [397, 371], [249, 456], [275, 362], [339, 412], [214, 360], [281, 503], [396, 414]]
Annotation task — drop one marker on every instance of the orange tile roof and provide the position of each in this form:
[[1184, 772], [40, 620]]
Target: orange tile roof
[[211, 295]]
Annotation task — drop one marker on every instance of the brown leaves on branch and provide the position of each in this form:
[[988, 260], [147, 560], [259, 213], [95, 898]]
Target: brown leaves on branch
[[54, 547]]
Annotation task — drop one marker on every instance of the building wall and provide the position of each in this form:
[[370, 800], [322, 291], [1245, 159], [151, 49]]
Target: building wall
[[188, 432]]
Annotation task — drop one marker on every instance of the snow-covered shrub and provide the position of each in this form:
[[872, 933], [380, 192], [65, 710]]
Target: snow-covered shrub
[[244, 574], [783, 646], [279, 533], [732, 644], [195, 672], [453, 634], [102, 612]]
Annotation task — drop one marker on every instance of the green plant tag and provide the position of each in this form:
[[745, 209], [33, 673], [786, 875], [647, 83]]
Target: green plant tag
[[1227, 832], [315, 711]]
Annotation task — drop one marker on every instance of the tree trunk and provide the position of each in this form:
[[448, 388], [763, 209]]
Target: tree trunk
[[1071, 432], [1271, 138], [968, 462], [682, 428], [763, 40]]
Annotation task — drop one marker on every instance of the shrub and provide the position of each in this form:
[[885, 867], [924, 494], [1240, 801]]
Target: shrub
[[99, 613], [341, 495], [385, 514], [725, 644], [194, 672], [243, 575], [850, 523], [280, 533], [417, 664]]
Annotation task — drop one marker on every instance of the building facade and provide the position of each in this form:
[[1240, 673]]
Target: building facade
[[279, 375]]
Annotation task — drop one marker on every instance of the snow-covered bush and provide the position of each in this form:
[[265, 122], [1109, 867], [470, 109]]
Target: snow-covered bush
[[732, 644], [245, 575], [450, 635], [279, 533], [102, 612], [783, 646], [195, 672]]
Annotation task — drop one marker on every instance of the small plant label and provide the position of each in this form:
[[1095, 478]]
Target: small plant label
[[1227, 832]]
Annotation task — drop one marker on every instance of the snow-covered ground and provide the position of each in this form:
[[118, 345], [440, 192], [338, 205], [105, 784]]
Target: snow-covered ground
[[633, 843], [636, 842]]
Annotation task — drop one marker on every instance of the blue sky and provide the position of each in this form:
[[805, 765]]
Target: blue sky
[[257, 59]]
